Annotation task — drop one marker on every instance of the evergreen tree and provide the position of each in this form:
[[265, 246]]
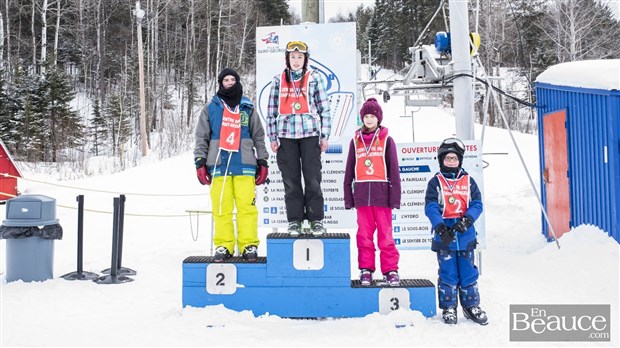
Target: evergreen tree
[[117, 114], [7, 112], [33, 137], [394, 27], [272, 12], [98, 130], [362, 20], [62, 124], [27, 127]]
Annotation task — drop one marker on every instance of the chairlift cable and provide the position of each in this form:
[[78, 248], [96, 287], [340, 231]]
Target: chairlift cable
[[514, 142], [430, 21], [517, 99]]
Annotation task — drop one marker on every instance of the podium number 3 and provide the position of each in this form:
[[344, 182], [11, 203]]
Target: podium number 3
[[393, 299], [221, 278], [395, 305]]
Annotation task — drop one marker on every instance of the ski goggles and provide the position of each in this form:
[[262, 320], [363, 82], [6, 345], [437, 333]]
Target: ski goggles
[[453, 142], [297, 46]]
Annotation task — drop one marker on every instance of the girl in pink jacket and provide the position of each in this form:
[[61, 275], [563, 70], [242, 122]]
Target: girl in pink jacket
[[372, 186]]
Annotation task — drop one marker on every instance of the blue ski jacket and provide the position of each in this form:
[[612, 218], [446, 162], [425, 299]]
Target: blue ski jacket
[[434, 211]]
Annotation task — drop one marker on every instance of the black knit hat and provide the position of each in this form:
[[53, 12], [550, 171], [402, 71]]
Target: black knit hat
[[225, 72], [231, 96]]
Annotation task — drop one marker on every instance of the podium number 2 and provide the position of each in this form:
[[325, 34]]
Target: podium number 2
[[393, 300], [308, 254], [221, 278]]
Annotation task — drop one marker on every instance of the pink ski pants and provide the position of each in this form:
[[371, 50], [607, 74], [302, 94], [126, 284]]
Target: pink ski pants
[[370, 219]]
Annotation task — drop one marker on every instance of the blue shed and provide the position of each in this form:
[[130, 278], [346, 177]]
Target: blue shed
[[579, 136]]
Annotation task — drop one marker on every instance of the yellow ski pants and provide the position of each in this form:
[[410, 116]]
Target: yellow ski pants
[[240, 192]]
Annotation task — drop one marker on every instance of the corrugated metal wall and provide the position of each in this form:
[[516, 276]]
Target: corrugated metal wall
[[593, 132]]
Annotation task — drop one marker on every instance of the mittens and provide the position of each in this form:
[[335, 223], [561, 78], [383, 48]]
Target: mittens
[[262, 170], [446, 234], [463, 224], [201, 171]]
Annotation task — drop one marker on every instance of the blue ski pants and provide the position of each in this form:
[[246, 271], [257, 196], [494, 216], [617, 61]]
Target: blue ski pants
[[457, 272]]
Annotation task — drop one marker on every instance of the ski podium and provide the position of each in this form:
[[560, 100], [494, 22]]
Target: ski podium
[[301, 277]]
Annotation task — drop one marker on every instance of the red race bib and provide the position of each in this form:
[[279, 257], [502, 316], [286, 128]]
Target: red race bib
[[293, 96], [230, 131], [455, 195], [370, 161]]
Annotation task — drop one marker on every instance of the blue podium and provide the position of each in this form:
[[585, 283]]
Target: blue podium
[[301, 277]]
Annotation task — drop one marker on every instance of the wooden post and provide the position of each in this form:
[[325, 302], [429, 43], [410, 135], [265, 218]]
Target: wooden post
[[139, 15]]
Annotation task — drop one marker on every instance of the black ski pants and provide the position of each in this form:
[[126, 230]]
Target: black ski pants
[[297, 156]]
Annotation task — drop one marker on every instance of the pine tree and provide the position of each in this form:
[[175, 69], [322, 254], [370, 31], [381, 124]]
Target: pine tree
[[7, 108], [63, 124], [27, 128], [362, 19], [98, 130], [272, 12], [117, 114], [394, 27]]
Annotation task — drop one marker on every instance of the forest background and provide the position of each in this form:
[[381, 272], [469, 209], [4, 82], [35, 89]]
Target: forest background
[[69, 84]]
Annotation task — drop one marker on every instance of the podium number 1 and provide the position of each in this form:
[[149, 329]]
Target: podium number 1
[[308, 254], [221, 278]]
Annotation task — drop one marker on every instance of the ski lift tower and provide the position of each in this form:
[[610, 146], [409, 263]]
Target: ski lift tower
[[461, 60], [442, 69]]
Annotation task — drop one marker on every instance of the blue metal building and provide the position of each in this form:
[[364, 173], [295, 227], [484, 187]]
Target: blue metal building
[[579, 135]]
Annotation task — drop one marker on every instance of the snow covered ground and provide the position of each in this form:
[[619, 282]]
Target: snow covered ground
[[519, 266]]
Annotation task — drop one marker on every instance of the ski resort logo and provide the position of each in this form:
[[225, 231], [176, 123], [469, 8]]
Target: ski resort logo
[[555, 323], [271, 38]]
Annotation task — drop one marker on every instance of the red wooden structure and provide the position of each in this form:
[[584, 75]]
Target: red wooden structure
[[8, 184]]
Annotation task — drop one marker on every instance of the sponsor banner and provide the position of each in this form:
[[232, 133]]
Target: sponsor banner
[[332, 48]]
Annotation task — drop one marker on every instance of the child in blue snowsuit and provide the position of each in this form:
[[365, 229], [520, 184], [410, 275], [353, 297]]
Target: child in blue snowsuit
[[453, 203]]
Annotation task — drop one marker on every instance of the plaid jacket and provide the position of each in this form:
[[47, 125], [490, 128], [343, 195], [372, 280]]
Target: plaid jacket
[[297, 126]]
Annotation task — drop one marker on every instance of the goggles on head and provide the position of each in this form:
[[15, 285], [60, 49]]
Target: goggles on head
[[297, 46], [453, 142]]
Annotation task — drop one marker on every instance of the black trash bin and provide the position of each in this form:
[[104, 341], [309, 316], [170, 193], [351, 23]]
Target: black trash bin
[[30, 229]]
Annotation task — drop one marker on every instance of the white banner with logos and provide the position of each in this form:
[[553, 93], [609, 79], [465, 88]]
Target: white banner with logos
[[333, 53]]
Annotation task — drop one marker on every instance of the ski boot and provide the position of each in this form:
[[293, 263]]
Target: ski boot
[[449, 316], [477, 315]]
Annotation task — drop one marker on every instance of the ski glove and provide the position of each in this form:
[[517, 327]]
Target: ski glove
[[463, 224], [262, 170], [201, 171], [446, 234]]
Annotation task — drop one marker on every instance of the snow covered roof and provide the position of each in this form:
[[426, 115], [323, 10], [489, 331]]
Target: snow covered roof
[[598, 74]]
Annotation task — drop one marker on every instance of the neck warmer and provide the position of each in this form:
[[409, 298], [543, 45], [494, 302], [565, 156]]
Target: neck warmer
[[296, 74], [231, 96]]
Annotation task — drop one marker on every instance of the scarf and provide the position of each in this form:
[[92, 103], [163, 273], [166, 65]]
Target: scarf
[[231, 96]]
